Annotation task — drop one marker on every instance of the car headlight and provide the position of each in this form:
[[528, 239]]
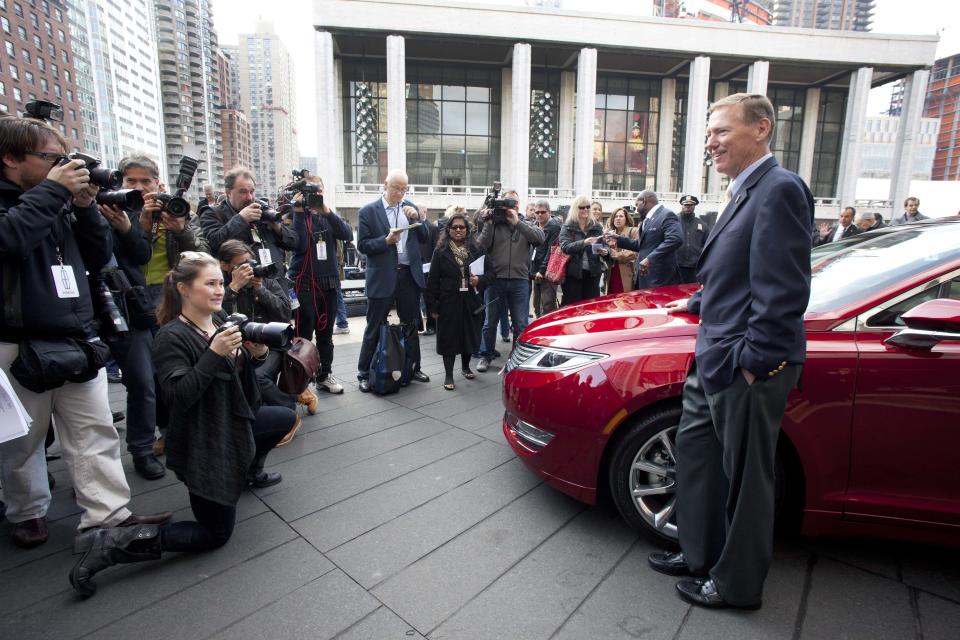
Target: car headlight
[[530, 358]]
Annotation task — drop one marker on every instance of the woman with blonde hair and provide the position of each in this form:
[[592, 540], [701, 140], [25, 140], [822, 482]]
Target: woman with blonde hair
[[579, 234], [620, 278]]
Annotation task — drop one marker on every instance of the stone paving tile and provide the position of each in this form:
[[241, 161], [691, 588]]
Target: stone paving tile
[[297, 501], [208, 607], [477, 417], [632, 601], [437, 585], [129, 588], [460, 402], [876, 556], [350, 518], [377, 555], [382, 624], [933, 570], [852, 604], [493, 433], [940, 618], [534, 598], [782, 594], [318, 610]]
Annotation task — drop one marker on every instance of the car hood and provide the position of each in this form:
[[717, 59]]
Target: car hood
[[616, 318]]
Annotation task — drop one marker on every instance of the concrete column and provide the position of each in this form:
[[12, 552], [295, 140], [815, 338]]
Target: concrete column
[[914, 95], [808, 136], [327, 137], [852, 142], [757, 77], [335, 175], [396, 104], [714, 179], [506, 108], [695, 138], [668, 109], [586, 106], [519, 139], [568, 93]]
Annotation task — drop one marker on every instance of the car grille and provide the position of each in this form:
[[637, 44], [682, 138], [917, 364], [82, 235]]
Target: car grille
[[520, 354]]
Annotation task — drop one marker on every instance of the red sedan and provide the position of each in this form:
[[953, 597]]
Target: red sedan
[[871, 439]]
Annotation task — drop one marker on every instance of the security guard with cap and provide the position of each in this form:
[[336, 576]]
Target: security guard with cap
[[695, 232]]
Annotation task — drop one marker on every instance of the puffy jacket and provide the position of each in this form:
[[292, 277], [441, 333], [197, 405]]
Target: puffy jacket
[[33, 224], [508, 248]]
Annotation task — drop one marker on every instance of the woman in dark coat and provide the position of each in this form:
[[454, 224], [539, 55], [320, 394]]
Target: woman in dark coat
[[453, 298], [218, 434], [577, 237]]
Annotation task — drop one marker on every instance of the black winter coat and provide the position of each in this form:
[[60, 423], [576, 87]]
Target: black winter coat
[[572, 243], [458, 327]]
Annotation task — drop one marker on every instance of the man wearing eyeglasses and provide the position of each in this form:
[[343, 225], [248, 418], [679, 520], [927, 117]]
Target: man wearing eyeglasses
[[544, 292], [51, 233], [394, 270]]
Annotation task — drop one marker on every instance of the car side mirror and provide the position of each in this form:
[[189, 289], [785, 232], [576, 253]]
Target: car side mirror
[[928, 324]]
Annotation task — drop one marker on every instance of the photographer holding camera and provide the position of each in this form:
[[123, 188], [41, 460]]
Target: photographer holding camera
[[241, 217], [507, 242], [219, 433], [51, 232], [316, 274]]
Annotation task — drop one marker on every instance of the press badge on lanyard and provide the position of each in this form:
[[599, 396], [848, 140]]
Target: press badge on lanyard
[[64, 280], [265, 257], [321, 250]]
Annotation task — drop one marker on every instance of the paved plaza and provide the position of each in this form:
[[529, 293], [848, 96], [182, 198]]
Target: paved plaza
[[409, 517]]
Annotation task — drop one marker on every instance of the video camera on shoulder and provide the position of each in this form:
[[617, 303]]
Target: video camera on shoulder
[[312, 193], [497, 205], [175, 205], [265, 270], [273, 334]]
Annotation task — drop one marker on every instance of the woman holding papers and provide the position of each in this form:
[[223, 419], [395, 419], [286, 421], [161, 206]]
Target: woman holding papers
[[453, 296]]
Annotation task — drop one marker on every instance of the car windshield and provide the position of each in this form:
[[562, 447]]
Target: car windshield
[[849, 270]]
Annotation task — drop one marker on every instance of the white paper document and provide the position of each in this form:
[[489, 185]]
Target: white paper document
[[14, 421], [476, 267], [426, 267]]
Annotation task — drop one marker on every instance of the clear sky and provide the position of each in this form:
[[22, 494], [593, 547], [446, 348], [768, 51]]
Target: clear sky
[[293, 21]]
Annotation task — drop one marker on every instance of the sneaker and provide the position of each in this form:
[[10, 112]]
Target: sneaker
[[483, 365], [505, 338], [330, 385], [341, 330]]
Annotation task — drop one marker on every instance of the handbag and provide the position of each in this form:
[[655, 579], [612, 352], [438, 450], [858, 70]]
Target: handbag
[[42, 365], [390, 365], [299, 366], [556, 265]]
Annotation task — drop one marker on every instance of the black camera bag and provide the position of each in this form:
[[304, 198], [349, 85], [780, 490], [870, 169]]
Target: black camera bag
[[44, 364]]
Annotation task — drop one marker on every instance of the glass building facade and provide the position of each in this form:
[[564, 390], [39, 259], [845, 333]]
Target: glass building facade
[[826, 154], [358, 166], [625, 127]]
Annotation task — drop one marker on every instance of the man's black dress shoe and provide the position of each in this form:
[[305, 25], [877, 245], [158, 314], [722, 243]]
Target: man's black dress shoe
[[670, 563], [149, 467], [263, 479], [420, 376], [703, 593], [429, 332], [364, 386]]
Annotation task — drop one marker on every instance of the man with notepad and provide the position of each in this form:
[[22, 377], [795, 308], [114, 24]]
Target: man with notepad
[[389, 233]]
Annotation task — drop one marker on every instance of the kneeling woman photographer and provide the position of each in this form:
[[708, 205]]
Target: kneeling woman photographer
[[452, 296], [218, 434]]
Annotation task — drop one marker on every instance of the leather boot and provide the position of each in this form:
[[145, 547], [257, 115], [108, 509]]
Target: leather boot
[[102, 548], [258, 478]]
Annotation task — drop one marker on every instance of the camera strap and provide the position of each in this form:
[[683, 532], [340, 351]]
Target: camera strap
[[64, 278]]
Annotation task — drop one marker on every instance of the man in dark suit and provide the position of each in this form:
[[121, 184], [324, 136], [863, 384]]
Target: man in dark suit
[[695, 232], [840, 231], [868, 221], [426, 255], [394, 270], [656, 247], [755, 270]]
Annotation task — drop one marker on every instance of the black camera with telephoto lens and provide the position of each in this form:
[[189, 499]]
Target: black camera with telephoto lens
[[498, 206], [175, 205], [273, 334], [264, 270], [109, 182], [267, 213]]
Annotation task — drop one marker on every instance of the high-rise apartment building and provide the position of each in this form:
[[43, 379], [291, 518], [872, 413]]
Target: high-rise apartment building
[[842, 15], [234, 125], [37, 61], [746, 11], [267, 98], [943, 102], [118, 84], [232, 54], [187, 45]]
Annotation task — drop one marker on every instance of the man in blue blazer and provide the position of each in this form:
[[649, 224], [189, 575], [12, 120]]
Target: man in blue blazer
[[394, 270], [755, 270], [656, 247]]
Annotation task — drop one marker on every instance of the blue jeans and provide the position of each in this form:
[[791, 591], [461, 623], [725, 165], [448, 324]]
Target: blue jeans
[[504, 321], [508, 293], [341, 310]]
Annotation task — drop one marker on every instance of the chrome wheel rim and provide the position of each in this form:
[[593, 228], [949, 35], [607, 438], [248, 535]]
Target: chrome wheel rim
[[653, 480]]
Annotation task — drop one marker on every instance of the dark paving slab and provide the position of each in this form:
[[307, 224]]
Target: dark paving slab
[[940, 617]]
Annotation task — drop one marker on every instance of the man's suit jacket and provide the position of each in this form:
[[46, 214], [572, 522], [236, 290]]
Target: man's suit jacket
[[902, 219], [851, 230], [755, 270], [372, 230], [660, 237]]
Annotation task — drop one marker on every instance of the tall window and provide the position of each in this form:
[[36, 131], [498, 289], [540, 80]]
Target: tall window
[[543, 171], [826, 154], [453, 124], [360, 166], [788, 105], [626, 121], [679, 136]]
